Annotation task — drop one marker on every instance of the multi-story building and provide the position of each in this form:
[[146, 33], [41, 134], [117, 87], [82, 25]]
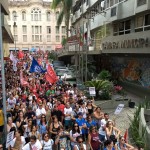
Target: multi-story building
[[120, 32], [34, 25], [6, 33]]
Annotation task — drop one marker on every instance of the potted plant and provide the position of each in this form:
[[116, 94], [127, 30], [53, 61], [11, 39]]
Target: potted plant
[[100, 85]]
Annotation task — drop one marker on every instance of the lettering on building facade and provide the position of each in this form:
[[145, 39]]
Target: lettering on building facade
[[132, 43]]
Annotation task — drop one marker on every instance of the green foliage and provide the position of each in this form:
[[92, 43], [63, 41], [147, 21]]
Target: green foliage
[[60, 18], [99, 84], [104, 75], [64, 41], [52, 56], [103, 86], [66, 6], [138, 139]]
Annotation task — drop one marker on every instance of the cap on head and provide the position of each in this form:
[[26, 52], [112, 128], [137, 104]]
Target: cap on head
[[80, 114]]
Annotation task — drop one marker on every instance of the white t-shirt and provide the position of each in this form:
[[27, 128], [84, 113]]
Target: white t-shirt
[[84, 146], [101, 130], [74, 136], [40, 111], [12, 143], [68, 111], [11, 102], [84, 111], [36, 146], [47, 145]]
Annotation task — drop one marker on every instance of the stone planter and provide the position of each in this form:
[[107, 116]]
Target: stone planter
[[147, 115]]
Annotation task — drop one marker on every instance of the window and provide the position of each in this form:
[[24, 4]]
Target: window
[[48, 16], [147, 19], [23, 16], [24, 29], [24, 38], [63, 29], [63, 37], [141, 2], [57, 30], [57, 38], [121, 28], [113, 11], [57, 14], [142, 23], [48, 38], [14, 16], [48, 29], [36, 14], [36, 33]]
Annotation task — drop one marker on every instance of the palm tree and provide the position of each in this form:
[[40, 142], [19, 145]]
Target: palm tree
[[65, 12]]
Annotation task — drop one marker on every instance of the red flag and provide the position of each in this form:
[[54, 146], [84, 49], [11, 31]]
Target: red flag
[[49, 78], [22, 80], [20, 54], [126, 135], [52, 73]]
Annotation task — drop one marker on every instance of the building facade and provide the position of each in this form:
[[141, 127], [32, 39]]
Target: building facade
[[34, 25], [120, 33]]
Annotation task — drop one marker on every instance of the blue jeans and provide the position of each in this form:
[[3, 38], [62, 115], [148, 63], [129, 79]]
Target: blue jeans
[[102, 137]]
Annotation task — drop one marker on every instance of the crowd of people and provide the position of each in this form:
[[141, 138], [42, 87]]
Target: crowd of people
[[56, 116]]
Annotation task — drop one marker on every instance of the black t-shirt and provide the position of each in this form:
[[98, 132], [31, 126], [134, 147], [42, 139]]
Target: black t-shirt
[[58, 113], [15, 114]]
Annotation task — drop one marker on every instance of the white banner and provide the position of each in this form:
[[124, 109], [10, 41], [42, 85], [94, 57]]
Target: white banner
[[119, 109], [10, 137], [92, 91]]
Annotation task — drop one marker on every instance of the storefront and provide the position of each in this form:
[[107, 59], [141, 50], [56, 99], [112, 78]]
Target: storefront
[[129, 57]]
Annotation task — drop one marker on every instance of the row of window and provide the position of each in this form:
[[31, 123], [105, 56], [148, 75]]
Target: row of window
[[38, 38], [142, 23], [36, 15], [38, 29]]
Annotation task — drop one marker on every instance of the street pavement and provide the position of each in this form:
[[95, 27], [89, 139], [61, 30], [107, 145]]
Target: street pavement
[[122, 120]]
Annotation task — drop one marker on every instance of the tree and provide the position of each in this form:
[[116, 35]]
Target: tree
[[65, 12]]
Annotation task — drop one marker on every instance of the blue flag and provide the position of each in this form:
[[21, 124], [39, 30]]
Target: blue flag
[[35, 67]]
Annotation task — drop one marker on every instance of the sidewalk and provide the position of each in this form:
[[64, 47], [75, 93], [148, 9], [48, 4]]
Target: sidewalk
[[123, 119]]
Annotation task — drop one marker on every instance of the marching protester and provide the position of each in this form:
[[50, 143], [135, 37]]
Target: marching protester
[[48, 113]]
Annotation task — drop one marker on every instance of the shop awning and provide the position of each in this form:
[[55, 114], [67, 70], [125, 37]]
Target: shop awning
[[13, 49], [25, 49]]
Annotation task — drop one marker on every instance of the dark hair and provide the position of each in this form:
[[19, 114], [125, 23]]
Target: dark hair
[[12, 129], [107, 124], [97, 108], [79, 137], [43, 135], [73, 129], [32, 127], [41, 119], [33, 137], [106, 114], [107, 142], [91, 127]]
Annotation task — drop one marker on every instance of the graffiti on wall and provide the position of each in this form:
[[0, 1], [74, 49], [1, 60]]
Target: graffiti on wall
[[133, 69]]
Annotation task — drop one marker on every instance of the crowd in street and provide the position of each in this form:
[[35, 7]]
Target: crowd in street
[[56, 116]]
